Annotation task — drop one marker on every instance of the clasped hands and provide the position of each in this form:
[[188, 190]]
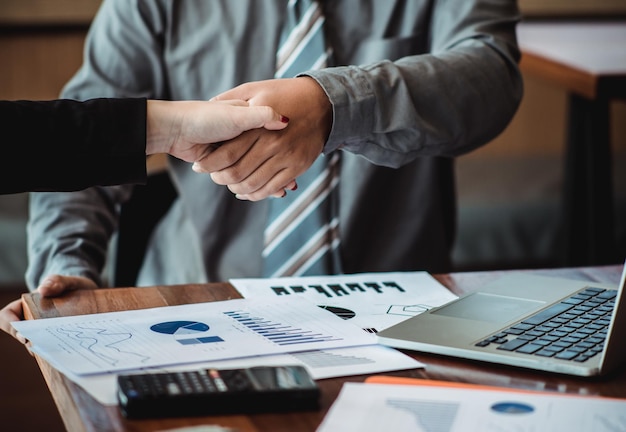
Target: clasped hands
[[261, 162], [259, 155]]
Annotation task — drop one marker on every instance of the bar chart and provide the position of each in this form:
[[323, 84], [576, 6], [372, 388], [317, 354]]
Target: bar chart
[[280, 334]]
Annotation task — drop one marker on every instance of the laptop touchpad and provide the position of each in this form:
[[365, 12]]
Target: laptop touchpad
[[489, 307]]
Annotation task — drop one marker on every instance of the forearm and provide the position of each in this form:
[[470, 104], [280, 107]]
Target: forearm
[[69, 233], [447, 99], [66, 145], [449, 112]]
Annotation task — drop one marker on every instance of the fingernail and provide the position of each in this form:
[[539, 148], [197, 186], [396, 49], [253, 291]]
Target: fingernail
[[294, 187], [284, 119]]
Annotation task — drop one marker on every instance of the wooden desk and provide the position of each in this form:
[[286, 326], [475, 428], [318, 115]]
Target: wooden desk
[[588, 60], [81, 412]]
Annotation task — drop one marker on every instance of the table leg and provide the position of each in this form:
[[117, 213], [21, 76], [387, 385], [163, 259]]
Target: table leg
[[588, 206]]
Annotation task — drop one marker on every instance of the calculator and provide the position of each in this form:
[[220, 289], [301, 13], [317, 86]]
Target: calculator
[[217, 391]]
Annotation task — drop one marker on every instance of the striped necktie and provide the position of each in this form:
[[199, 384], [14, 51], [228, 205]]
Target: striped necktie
[[301, 237]]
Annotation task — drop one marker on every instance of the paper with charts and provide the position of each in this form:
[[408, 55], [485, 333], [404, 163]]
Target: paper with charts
[[412, 408], [372, 301], [321, 364], [116, 341]]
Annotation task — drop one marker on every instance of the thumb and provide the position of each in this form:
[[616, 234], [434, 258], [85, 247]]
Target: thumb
[[55, 285], [51, 286], [263, 116]]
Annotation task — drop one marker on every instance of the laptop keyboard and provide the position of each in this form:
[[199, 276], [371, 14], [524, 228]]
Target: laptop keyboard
[[574, 329]]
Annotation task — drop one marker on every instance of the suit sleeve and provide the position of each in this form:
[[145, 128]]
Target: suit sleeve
[[457, 90], [66, 145]]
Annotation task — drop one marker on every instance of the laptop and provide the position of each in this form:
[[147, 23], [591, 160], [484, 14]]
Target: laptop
[[535, 322]]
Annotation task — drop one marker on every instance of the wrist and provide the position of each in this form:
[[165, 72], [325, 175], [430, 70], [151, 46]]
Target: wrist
[[321, 101], [162, 126]]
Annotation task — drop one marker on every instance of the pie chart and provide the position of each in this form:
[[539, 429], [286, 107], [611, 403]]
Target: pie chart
[[180, 327], [340, 312], [186, 332], [512, 408]]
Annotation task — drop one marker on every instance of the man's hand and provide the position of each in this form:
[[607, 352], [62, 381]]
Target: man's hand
[[12, 312], [56, 285], [51, 286], [190, 130], [261, 163]]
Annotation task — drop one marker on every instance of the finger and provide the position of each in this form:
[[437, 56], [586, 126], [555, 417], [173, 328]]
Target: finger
[[262, 116], [55, 285], [52, 286], [225, 157], [261, 195], [255, 176], [268, 191], [292, 185], [11, 312], [21, 339], [201, 165], [233, 102]]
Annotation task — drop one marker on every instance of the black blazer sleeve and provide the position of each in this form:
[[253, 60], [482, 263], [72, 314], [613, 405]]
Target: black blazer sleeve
[[66, 145]]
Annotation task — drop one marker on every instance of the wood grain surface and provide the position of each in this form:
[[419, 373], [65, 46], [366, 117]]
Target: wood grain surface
[[81, 412]]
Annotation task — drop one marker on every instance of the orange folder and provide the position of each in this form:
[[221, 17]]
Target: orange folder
[[382, 379]]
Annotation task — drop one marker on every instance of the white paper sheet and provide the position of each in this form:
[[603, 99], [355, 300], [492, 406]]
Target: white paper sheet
[[320, 364], [399, 408], [174, 335], [372, 301]]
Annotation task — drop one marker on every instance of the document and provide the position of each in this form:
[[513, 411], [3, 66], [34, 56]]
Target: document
[[321, 364], [91, 349], [373, 407], [174, 335], [372, 301]]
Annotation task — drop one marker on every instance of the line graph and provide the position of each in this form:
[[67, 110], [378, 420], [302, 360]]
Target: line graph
[[107, 344]]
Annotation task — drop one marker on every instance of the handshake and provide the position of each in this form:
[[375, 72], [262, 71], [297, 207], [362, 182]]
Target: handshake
[[240, 140]]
